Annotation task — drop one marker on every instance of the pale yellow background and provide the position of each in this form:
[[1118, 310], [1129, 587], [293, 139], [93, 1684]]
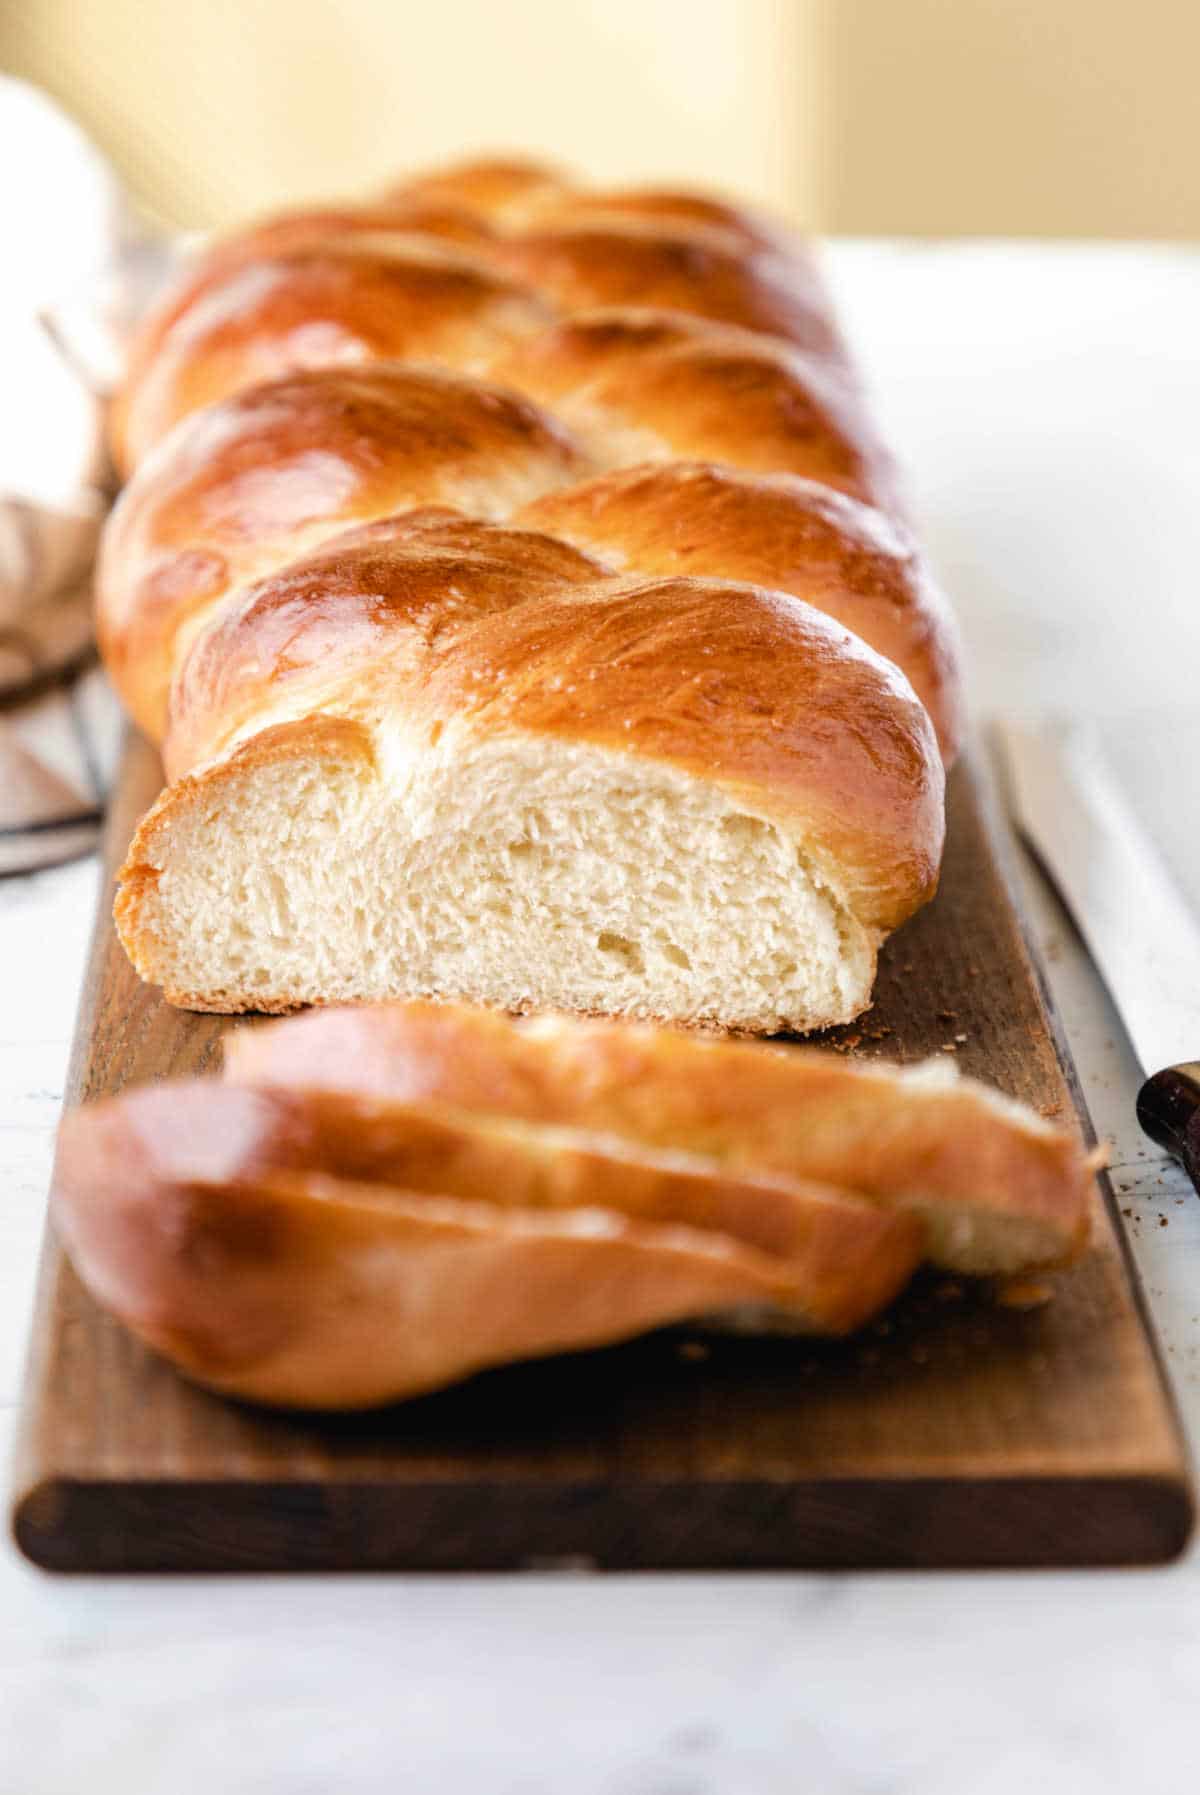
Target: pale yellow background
[[1061, 117]]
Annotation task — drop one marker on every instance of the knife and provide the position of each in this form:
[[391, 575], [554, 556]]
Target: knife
[[1138, 926]]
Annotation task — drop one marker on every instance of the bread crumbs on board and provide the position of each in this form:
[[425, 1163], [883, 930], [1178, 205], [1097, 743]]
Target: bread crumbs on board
[[1023, 1293]]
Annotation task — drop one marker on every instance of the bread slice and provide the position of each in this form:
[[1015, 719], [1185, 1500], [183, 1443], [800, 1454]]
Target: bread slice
[[325, 1250], [997, 1189]]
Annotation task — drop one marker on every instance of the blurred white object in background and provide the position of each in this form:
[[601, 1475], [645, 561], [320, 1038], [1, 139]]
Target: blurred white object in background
[[56, 179], [62, 227], [76, 270], [59, 225]]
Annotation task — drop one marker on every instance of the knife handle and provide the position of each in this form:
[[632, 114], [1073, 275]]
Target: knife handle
[[1168, 1108]]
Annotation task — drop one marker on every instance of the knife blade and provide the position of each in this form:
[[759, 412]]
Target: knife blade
[[1139, 928]]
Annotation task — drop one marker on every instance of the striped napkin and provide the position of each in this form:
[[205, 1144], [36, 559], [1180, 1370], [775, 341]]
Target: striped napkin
[[77, 271]]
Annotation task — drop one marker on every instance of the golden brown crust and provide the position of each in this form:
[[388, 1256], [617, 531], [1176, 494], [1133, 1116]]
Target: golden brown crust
[[797, 1112], [841, 1259], [325, 1251], [246, 485], [257, 316], [328, 290], [794, 535], [680, 389], [308, 1292], [307, 228], [494, 187], [674, 208], [463, 209], [671, 265], [371, 598]]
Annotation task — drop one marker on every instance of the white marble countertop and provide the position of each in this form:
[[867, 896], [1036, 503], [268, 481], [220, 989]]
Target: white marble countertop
[[1045, 400]]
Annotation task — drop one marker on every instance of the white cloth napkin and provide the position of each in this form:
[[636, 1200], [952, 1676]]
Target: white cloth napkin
[[78, 269]]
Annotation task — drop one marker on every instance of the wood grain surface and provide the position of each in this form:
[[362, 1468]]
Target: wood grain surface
[[956, 1432]]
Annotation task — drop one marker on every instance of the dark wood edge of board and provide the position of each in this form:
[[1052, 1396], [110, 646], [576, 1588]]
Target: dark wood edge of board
[[901, 1524]]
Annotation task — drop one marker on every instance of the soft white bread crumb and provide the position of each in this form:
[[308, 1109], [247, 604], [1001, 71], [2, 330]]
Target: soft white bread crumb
[[518, 872]]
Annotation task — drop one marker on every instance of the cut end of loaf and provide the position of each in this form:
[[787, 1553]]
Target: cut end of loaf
[[325, 863]]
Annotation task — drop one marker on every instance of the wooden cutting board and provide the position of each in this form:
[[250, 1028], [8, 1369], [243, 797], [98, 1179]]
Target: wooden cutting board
[[958, 1431]]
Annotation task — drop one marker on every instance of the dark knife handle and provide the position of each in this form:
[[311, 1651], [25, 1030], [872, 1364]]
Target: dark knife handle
[[1168, 1108]]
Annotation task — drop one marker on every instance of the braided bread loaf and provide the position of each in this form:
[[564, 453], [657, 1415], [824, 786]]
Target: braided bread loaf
[[525, 608]]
